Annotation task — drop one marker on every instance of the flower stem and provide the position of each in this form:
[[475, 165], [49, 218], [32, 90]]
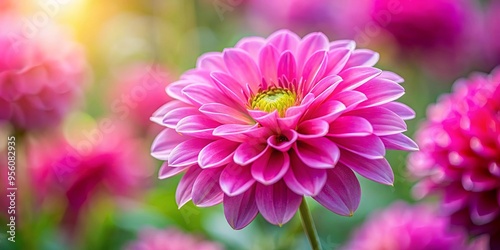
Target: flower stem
[[308, 225]]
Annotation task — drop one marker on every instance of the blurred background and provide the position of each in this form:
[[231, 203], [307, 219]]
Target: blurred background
[[119, 55]]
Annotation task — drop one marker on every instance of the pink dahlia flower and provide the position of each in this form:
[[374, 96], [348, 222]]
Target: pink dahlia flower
[[105, 162], [139, 91], [262, 125], [169, 239], [41, 74], [405, 227], [460, 156]]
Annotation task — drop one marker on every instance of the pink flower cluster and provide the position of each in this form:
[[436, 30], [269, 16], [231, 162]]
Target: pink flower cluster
[[460, 154], [41, 74], [405, 227], [259, 126]]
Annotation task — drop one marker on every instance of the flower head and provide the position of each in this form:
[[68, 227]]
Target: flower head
[[104, 163], [460, 156], [41, 74], [263, 124], [169, 239], [406, 227]]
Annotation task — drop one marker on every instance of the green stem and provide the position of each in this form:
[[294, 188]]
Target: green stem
[[308, 225]]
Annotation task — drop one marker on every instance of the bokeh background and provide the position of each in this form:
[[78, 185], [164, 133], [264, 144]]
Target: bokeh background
[[131, 49]]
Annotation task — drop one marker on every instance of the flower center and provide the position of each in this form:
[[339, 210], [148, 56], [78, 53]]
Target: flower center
[[274, 99]]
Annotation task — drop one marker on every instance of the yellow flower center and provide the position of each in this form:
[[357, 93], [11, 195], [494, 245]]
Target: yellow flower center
[[274, 99]]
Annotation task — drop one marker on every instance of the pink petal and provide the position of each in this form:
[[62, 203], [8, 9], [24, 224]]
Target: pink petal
[[240, 210], [391, 76], [240, 132], [484, 209], [174, 90], [326, 86], [370, 146], [380, 91], [252, 45], [328, 111], [348, 44], [362, 57], [164, 142], [186, 152], [337, 60], [277, 142], [236, 179], [277, 203], [284, 40], [454, 198], [287, 66], [206, 189], [314, 69], [350, 99], [357, 76], [270, 167], [243, 68], [405, 112], [167, 172], [312, 129], [230, 87], [302, 179], [225, 114], [384, 121], [268, 62], [184, 190], [158, 115], [399, 142], [322, 93], [376, 170], [268, 120], [317, 152], [172, 118], [217, 153], [247, 153], [479, 181], [342, 192], [199, 94], [211, 61], [197, 126], [350, 126], [309, 45]]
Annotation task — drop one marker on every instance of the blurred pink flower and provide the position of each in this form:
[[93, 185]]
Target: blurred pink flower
[[169, 239], [460, 156], [263, 124], [300, 16], [492, 34], [436, 33], [138, 91], [107, 162], [41, 74], [405, 227]]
